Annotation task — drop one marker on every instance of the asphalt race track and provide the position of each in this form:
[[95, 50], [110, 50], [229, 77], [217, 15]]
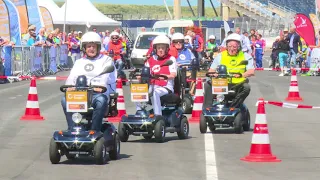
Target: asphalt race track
[[294, 136]]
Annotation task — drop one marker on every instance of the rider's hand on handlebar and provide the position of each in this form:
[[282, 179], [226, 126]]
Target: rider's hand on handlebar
[[236, 75], [71, 89], [214, 74]]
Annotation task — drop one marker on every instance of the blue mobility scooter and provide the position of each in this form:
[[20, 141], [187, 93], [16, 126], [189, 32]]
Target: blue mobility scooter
[[80, 140], [220, 114], [144, 122]]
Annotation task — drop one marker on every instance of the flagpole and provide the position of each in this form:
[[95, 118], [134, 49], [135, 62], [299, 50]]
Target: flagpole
[[65, 19], [165, 3], [317, 14]]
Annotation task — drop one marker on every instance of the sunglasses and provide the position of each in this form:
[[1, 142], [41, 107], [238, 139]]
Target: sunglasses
[[178, 41]]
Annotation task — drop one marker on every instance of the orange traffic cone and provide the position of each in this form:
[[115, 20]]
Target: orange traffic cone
[[294, 94], [120, 103], [197, 103], [32, 108], [260, 144]]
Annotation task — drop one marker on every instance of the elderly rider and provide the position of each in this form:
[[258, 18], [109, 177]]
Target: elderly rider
[[232, 58], [91, 65]]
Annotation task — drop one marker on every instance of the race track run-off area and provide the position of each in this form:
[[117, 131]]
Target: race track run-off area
[[293, 133]]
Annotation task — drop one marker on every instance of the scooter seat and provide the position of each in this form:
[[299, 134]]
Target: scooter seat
[[170, 100]]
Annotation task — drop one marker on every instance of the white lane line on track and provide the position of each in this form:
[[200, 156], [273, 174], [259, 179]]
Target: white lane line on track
[[211, 164]]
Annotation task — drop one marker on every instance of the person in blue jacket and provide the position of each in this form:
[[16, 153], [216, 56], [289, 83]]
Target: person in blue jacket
[[185, 56]]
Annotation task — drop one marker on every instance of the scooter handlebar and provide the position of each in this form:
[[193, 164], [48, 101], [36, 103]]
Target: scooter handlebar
[[210, 74], [64, 88]]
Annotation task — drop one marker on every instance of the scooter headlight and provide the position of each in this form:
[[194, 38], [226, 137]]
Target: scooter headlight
[[220, 97], [76, 117]]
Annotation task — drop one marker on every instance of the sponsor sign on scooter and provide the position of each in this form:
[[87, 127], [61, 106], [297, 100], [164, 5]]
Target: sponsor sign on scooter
[[139, 93], [201, 74], [77, 101], [219, 86]]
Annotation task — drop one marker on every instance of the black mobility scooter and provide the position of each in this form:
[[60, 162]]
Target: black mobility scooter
[[80, 140], [144, 122], [220, 114]]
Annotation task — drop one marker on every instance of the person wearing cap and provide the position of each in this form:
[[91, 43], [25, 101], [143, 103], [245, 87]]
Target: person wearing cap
[[31, 31], [211, 46], [79, 35], [185, 57], [232, 58], [115, 48], [91, 65], [187, 42], [161, 87]]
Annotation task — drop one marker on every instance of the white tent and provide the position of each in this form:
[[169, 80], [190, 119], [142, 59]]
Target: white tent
[[83, 12], [53, 8]]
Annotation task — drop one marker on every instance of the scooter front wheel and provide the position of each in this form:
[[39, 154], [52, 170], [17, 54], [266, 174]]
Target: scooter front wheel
[[203, 124], [160, 131], [54, 154]]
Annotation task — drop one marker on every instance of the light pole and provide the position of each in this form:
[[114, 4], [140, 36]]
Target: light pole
[[65, 18]]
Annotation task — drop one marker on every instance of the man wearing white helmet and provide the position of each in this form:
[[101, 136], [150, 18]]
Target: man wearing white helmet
[[116, 49], [212, 46], [161, 47], [232, 58], [91, 66], [185, 55]]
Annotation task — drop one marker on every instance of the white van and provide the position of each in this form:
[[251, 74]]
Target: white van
[[141, 46], [177, 25]]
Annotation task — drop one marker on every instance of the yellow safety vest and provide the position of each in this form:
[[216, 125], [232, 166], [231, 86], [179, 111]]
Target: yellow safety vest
[[232, 64]]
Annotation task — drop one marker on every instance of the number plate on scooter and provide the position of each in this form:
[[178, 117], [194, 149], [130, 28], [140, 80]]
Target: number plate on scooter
[[219, 86], [139, 92], [77, 101], [201, 74]]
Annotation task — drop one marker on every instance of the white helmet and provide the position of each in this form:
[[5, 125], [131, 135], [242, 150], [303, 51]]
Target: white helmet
[[90, 37], [212, 37], [234, 37], [161, 39], [114, 33], [177, 36], [187, 37]]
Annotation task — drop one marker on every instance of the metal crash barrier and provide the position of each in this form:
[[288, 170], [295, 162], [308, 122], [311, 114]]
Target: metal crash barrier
[[36, 61]]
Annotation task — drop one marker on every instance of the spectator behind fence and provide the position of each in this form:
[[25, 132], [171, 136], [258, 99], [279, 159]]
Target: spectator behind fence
[[32, 39], [41, 38], [75, 47], [49, 40], [283, 49], [25, 39]]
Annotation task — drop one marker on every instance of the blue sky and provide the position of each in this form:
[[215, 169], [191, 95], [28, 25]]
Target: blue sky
[[153, 2]]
